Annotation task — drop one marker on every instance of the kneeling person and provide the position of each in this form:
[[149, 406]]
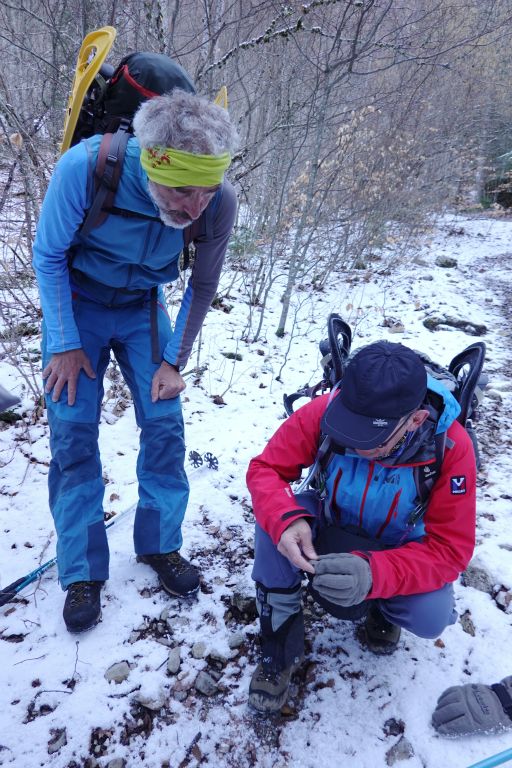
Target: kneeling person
[[393, 528]]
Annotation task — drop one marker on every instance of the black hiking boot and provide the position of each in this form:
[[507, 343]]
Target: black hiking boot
[[281, 654], [177, 576], [381, 636], [82, 607]]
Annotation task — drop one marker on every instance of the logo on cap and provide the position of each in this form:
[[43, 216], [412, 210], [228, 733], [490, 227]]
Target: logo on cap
[[380, 423]]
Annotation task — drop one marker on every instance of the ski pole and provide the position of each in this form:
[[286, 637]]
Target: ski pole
[[9, 592], [490, 762]]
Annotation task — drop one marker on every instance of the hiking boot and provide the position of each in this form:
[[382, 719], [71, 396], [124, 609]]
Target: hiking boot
[[282, 653], [82, 607], [177, 576], [381, 636]]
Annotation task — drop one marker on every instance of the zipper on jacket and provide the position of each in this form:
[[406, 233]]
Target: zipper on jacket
[[391, 513], [365, 492], [334, 506]]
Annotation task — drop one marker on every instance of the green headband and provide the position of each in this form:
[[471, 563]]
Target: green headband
[[174, 168]]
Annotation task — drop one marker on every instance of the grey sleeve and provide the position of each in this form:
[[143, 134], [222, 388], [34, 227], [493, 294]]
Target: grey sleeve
[[203, 282]]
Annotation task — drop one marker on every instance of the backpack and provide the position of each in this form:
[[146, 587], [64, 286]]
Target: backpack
[[463, 378], [108, 107]]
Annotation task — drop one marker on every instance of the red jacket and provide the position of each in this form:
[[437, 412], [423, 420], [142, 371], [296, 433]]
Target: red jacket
[[415, 567]]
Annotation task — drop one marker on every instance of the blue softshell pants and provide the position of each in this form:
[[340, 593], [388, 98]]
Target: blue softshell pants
[[425, 615], [75, 477]]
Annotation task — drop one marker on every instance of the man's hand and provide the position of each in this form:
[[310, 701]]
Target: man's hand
[[476, 708], [342, 578], [167, 383], [64, 368], [296, 543]]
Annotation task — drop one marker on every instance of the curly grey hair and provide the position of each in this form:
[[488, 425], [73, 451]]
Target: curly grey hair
[[186, 122]]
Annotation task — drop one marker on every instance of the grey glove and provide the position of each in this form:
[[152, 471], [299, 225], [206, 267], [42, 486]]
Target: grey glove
[[477, 708], [342, 578]]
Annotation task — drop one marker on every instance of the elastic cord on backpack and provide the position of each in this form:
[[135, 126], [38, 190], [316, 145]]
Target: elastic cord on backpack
[[125, 72]]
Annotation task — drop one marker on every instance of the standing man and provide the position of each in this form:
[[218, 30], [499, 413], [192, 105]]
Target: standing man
[[392, 528], [96, 295]]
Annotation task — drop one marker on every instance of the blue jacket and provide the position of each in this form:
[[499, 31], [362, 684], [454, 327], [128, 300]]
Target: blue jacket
[[122, 254]]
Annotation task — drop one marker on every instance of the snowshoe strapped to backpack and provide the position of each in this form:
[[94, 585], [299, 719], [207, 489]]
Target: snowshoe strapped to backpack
[[117, 93], [109, 107]]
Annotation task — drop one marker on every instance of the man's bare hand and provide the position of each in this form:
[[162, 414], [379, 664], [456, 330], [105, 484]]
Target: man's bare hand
[[167, 383], [64, 368], [296, 543]]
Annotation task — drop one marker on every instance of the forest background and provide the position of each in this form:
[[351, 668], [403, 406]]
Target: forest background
[[358, 120]]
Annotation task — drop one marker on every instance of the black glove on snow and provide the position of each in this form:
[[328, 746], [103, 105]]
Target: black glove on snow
[[475, 708]]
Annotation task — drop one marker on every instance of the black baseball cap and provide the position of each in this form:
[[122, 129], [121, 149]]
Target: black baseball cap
[[382, 383]]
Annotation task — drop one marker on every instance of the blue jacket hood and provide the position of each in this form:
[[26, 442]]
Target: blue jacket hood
[[451, 407]]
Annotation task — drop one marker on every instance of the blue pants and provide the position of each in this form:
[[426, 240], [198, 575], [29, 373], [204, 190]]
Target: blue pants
[[75, 477], [425, 615]]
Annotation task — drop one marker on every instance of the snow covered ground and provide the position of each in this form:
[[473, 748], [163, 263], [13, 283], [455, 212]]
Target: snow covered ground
[[183, 697]]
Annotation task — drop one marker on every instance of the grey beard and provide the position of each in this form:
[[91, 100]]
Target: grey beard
[[167, 218], [169, 221]]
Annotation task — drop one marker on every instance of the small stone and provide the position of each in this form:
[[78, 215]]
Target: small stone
[[236, 640], [153, 702], [393, 727], [199, 650], [467, 623], [205, 684], [180, 695], [402, 750], [477, 577], [165, 614], [174, 661], [217, 658], [164, 641], [447, 262], [117, 762], [184, 682], [504, 600], [244, 603], [57, 741], [118, 672]]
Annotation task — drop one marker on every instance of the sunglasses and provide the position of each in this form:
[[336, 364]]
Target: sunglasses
[[396, 431]]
